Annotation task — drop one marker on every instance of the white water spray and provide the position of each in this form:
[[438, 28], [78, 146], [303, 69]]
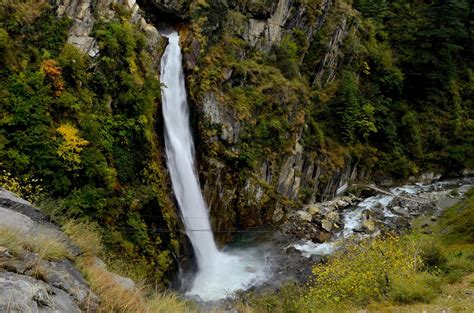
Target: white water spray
[[219, 273]]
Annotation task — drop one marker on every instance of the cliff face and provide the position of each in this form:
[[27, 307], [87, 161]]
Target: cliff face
[[294, 100], [248, 181]]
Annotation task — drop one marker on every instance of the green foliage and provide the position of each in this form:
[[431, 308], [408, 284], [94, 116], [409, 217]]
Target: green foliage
[[284, 300], [417, 287], [361, 272], [26, 187], [86, 127], [458, 221]]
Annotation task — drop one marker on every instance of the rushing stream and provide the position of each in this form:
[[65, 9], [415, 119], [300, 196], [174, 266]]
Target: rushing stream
[[438, 193], [219, 274]]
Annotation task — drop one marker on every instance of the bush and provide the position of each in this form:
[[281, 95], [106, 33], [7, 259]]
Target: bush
[[432, 255], [284, 300], [458, 266], [362, 272], [28, 189], [416, 287]]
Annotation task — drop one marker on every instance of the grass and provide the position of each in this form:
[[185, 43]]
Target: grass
[[417, 287], [43, 243], [458, 297], [114, 297], [457, 223]]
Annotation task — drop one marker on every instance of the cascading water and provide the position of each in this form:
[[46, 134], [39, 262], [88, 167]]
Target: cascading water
[[219, 273]]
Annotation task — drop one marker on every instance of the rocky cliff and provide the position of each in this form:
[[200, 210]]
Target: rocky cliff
[[248, 181]]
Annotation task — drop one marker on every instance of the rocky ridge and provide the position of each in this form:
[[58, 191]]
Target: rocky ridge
[[31, 283]]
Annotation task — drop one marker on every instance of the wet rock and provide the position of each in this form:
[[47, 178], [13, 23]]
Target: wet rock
[[291, 250], [250, 269], [305, 216], [326, 225], [321, 236], [313, 209], [333, 217], [341, 203]]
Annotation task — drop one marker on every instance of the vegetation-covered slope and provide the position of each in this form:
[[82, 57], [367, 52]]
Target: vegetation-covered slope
[[87, 128]]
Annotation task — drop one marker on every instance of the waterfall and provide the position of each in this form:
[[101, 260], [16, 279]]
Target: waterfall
[[219, 273], [180, 155]]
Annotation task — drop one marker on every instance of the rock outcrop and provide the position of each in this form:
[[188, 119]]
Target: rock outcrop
[[85, 13], [29, 283]]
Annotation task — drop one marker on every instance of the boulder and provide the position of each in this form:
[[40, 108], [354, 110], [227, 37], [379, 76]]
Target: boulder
[[341, 203], [333, 216], [12, 219], [314, 209], [321, 236], [21, 293], [326, 225], [31, 284], [305, 216]]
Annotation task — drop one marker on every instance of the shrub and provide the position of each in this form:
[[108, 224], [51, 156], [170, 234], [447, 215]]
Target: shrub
[[416, 287], [432, 255], [27, 188], [283, 300], [362, 272], [458, 266]]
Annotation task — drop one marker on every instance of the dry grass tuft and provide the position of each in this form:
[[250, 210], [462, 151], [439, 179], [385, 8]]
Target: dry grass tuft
[[86, 235], [114, 297], [42, 243]]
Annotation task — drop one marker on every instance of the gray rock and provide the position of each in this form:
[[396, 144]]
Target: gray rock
[[5, 194], [83, 14], [65, 276], [267, 32], [20, 293], [16, 221], [125, 282], [314, 209], [305, 216], [61, 288], [334, 217], [326, 225]]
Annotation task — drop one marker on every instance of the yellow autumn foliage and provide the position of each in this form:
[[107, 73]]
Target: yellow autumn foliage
[[26, 187], [70, 145], [364, 271]]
